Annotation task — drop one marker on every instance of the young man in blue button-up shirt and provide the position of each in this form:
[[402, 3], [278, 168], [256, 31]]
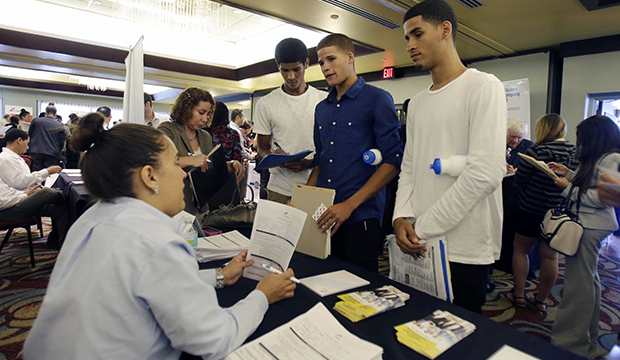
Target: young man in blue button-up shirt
[[355, 118]]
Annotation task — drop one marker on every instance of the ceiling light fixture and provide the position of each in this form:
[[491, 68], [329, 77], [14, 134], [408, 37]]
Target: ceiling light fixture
[[334, 16]]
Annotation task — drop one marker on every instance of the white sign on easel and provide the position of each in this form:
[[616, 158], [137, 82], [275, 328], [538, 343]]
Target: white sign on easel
[[518, 101]]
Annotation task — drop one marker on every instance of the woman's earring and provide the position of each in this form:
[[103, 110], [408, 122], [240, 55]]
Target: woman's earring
[[156, 190]]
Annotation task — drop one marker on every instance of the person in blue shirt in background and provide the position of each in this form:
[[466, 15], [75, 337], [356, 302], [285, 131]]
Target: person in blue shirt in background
[[355, 118]]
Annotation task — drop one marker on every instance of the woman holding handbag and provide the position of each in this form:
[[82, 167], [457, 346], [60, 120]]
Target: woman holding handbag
[[537, 194], [577, 321]]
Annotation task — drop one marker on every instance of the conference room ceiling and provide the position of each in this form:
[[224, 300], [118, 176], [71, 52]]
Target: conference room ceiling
[[495, 29]]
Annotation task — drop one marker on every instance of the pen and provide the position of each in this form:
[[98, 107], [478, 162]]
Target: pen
[[276, 271], [278, 146]]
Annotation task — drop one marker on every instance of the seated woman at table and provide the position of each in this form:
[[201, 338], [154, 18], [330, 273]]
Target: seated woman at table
[[126, 285], [190, 113]]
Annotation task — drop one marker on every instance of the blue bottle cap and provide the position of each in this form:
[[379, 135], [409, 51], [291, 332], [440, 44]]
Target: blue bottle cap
[[436, 166], [369, 157]]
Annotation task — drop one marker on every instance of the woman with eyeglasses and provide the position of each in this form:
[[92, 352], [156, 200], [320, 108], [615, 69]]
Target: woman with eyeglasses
[[190, 113], [537, 194]]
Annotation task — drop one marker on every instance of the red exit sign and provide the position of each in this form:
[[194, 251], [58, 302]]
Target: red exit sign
[[388, 73]]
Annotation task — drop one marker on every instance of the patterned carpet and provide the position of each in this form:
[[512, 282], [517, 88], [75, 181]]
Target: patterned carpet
[[22, 289], [528, 320]]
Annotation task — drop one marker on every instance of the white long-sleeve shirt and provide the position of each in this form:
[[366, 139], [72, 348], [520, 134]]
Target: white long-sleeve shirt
[[15, 172], [127, 286], [9, 196], [465, 117]]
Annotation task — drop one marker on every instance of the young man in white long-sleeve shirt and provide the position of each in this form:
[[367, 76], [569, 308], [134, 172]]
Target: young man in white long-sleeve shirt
[[462, 113], [21, 195]]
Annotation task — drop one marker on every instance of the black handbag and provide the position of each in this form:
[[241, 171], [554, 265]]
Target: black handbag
[[234, 214], [561, 228]]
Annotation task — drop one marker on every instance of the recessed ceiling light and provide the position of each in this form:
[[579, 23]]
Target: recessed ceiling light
[[97, 2], [334, 16], [237, 11]]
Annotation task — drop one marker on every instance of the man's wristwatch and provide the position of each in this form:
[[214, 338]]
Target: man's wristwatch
[[219, 277]]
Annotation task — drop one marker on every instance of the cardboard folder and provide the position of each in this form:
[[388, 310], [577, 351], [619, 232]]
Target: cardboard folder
[[308, 199]]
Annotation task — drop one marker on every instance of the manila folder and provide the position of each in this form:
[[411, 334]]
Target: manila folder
[[312, 242]]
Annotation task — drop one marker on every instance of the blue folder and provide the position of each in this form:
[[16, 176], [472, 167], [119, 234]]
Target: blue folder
[[275, 160]]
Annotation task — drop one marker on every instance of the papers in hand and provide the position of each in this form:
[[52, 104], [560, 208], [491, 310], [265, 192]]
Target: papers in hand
[[51, 180], [539, 165], [275, 234], [333, 282], [222, 246], [434, 334], [360, 305], [315, 335], [275, 160], [430, 275]]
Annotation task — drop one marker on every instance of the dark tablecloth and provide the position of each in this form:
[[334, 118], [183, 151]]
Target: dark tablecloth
[[488, 337]]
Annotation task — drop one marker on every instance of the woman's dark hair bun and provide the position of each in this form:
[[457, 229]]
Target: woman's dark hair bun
[[88, 133]]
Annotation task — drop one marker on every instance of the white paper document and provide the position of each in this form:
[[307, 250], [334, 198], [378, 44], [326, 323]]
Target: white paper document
[[430, 275], [333, 282], [315, 335], [72, 171], [509, 353], [275, 234], [221, 246], [50, 180]]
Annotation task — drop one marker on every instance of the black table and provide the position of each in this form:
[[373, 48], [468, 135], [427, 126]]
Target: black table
[[76, 194], [488, 337]]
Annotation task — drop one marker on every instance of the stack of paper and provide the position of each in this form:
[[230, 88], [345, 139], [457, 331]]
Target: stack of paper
[[360, 305], [313, 335], [222, 246], [333, 282], [434, 334]]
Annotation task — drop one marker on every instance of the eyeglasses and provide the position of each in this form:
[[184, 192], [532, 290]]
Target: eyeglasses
[[517, 137]]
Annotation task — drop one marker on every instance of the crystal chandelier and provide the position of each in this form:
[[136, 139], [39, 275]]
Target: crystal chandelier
[[196, 16]]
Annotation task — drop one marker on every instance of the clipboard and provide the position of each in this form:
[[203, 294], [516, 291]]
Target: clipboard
[[539, 165], [308, 199], [275, 160]]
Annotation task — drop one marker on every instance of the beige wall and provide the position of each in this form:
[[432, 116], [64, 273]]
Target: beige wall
[[583, 75], [534, 67]]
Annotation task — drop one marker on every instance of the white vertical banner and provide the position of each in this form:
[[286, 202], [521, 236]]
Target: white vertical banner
[[518, 101], [133, 99]]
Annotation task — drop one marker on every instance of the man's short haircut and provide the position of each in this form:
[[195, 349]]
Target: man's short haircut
[[235, 113], [340, 41], [434, 12], [14, 119], [148, 98], [105, 111], [15, 134], [50, 109], [6, 116], [291, 50]]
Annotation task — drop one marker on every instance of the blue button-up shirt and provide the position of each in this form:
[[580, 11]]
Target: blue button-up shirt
[[363, 119]]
